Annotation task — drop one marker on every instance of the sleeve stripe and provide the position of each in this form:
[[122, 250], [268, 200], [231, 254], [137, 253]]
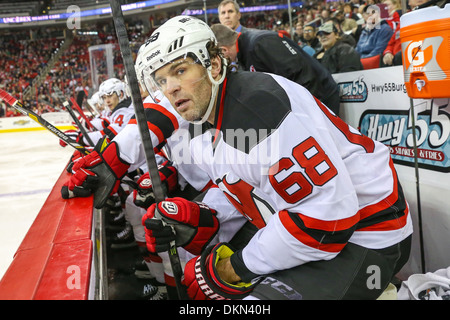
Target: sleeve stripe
[[305, 238], [388, 214], [164, 111], [394, 224], [385, 203], [156, 131]]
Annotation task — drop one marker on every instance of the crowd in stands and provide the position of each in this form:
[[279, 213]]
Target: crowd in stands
[[339, 34]]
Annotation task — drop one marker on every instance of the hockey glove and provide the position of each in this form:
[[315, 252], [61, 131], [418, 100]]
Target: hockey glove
[[144, 196], [203, 281], [194, 224], [74, 135], [76, 156], [98, 173]]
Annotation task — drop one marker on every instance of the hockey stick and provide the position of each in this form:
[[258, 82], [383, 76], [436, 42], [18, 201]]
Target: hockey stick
[[62, 98], [122, 37], [80, 111], [16, 104], [106, 177], [78, 123]]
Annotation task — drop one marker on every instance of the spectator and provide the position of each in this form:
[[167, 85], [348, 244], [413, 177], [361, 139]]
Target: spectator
[[392, 56], [229, 14], [2, 109], [395, 12], [348, 11], [376, 34], [298, 34], [325, 15], [348, 25], [336, 55], [309, 34], [360, 24], [344, 37]]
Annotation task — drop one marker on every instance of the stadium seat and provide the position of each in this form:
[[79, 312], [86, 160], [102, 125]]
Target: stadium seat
[[371, 62]]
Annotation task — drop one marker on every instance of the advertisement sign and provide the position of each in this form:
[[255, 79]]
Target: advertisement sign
[[61, 120], [377, 104]]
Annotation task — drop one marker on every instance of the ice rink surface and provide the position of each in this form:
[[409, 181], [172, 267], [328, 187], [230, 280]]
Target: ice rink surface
[[30, 164]]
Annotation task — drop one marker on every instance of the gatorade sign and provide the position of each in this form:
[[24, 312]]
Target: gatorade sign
[[421, 56], [425, 52]]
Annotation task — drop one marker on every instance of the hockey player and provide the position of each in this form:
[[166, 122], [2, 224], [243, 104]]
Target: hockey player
[[268, 51], [112, 92], [125, 154], [101, 120], [326, 199], [114, 97]]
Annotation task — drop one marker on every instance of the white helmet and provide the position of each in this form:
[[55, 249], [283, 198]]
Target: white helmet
[[179, 37], [95, 101], [139, 67], [112, 85]]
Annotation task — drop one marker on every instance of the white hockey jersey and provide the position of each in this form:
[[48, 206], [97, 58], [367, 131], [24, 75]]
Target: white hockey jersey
[[168, 129], [307, 180], [101, 121], [118, 119]]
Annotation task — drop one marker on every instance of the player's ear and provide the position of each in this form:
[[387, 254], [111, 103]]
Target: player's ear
[[216, 67]]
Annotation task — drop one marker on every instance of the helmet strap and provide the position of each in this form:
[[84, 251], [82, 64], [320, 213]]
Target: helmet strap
[[214, 89]]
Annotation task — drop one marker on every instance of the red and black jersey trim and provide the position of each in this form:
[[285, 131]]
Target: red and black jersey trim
[[109, 132], [389, 214], [331, 236], [159, 120]]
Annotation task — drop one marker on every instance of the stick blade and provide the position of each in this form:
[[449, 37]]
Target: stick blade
[[5, 96]]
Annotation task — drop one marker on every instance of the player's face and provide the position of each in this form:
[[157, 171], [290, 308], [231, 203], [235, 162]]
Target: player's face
[[229, 16], [111, 100], [187, 86]]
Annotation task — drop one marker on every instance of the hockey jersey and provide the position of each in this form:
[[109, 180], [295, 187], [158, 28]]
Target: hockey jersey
[[101, 121], [118, 119], [169, 135], [306, 179]]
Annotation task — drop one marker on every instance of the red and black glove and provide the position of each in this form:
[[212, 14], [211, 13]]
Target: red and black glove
[[76, 156], [194, 225], [144, 196], [89, 173], [203, 281], [74, 135]]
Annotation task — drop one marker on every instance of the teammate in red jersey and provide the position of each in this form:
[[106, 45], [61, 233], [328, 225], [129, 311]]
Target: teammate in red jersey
[[326, 200]]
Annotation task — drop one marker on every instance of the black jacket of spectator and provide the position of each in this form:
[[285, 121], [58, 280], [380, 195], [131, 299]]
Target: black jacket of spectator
[[341, 58], [268, 51]]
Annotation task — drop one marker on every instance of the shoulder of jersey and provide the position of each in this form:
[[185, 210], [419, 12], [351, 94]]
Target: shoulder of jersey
[[255, 102]]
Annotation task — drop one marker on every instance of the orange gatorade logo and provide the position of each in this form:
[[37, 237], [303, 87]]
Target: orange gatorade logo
[[422, 56]]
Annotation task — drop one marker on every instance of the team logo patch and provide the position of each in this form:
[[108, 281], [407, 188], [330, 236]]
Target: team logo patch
[[169, 207], [146, 183]]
